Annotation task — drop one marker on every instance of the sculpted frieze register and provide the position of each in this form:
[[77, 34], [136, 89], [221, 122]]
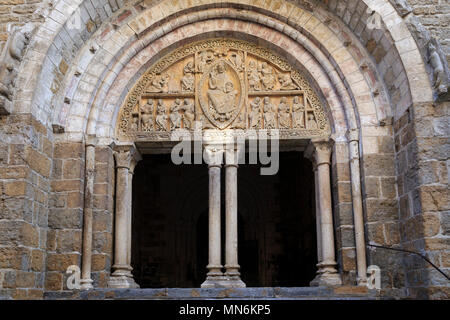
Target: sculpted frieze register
[[225, 84]]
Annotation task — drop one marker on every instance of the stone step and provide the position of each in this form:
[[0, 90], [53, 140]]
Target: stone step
[[305, 293]]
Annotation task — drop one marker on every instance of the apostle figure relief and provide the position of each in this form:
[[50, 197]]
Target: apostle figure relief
[[225, 84]]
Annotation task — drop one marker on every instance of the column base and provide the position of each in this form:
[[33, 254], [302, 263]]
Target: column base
[[122, 282], [327, 275], [122, 278], [223, 282], [86, 284], [326, 280], [213, 281]]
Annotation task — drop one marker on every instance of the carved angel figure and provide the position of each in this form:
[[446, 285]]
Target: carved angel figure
[[159, 84], [175, 116], [134, 122], [268, 77], [206, 58], [298, 114], [254, 80], [255, 114], [161, 117], [189, 114], [284, 114], [237, 60], [187, 82], [312, 123], [270, 120], [286, 82], [147, 115]]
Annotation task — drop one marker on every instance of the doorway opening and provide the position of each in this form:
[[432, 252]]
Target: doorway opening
[[276, 224]]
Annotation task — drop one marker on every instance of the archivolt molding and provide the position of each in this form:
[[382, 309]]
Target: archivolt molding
[[286, 11]]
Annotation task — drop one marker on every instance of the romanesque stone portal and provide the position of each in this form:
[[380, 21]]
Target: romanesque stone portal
[[89, 86], [224, 84]]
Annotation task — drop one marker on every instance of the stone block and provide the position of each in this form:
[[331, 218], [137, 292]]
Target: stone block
[[68, 241], [69, 151], [434, 198], [67, 185], [18, 233], [75, 200], [100, 262], [37, 260], [371, 187], [102, 242], [103, 155], [38, 162], [381, 210], [445, 223], [15, 188], [60, 262], [65, 218], [388, 188], [73, 169], [54, 281], [379, 165], [25, 279]]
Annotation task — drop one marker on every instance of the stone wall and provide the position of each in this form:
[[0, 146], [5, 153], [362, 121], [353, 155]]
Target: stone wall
[[422, 147], [65, 218], [434, 15], [103, 223], [26, 153]]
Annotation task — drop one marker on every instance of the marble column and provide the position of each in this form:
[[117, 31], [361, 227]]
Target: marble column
[[231, 226], [86, 281], [121, 277], [328, 274], [214, 159]]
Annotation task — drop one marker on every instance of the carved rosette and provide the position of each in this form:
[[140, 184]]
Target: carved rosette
[[225, 84]]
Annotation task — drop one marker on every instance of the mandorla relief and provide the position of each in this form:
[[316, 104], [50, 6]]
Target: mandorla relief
[[224, 84]]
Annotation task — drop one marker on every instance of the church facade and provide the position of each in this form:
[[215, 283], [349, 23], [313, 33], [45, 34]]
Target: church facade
[[224, 145]]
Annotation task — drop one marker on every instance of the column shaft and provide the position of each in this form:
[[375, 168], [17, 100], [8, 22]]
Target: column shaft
[[231, 242], [327, 274], [214, 158], [126, 158], [231, 203], [326, 215], [215, 264], [121, 223], [86, 281], [358, 216]]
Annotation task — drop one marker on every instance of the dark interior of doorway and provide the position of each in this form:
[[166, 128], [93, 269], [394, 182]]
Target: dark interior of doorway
[[277, 230]]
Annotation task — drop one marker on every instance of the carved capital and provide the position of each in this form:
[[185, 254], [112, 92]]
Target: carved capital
[[322, 151], [214, 155], [127, 156]]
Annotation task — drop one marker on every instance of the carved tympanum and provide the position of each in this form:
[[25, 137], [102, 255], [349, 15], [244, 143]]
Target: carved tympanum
[[225, 84]]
